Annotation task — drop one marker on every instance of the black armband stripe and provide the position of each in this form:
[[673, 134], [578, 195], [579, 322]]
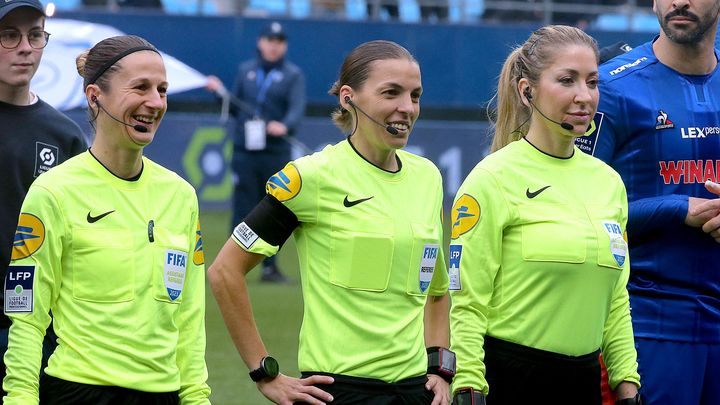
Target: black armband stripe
[[272, 221]]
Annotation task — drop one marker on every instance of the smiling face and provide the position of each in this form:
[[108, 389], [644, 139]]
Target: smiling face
[[391, 95], [687, 22], [567, 91], [136, 95], [18, 65]]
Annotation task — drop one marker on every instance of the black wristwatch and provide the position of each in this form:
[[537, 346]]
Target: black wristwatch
[[441, 361], [468, 396], [269, 368], [636, 400]]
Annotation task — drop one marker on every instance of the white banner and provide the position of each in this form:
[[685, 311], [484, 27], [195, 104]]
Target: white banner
[[57, 81]]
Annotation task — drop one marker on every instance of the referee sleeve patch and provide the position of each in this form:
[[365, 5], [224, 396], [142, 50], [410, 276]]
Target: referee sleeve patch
[[29, 236], [245, 235], [19, 289], [285, 184], [270, 220], [198, 253], [465, 214], [454, 268]]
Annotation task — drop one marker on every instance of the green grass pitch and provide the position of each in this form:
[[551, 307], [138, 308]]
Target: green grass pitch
[[278, 313]]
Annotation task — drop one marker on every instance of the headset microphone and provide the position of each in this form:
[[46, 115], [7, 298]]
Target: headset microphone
[[388, 128], [137, 127], [564, 125]]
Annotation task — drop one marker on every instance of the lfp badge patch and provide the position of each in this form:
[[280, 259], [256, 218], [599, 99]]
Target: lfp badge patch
[[174, 272], [618, 246], [19, 289], [454, 270], [427, 265]]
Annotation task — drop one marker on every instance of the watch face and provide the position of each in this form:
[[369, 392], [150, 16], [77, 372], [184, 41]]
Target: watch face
[[271, 366]]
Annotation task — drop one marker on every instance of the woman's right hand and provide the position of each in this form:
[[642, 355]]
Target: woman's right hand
[[284, 390]]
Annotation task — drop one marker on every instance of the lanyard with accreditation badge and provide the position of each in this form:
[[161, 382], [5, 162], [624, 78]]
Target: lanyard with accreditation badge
[[255, 128]]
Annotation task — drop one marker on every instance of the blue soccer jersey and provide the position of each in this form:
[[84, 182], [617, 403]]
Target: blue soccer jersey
[[660, 130]]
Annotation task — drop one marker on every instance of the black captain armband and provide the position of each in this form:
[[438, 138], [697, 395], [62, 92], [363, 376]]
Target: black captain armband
[[441, 361], [468, 396], [272, 221]]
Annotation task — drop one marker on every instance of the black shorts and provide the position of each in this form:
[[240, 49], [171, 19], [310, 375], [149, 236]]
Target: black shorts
[[347, 390], [54, 391], [519, 374]]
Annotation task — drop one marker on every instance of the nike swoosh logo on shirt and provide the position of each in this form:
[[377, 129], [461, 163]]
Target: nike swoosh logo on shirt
[[533, 194], [92, 219], [349, 203]]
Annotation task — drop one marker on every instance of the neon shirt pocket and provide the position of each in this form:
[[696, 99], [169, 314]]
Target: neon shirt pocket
[[361, 251], [612, 248], [103, 265], [170, 266], [554, 233], [423, 259]]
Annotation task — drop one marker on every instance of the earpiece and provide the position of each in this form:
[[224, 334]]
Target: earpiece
[[527, 93], [388, 128], [136, 127]]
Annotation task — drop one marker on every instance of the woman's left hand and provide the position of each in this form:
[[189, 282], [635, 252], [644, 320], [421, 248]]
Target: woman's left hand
[[440, 388]]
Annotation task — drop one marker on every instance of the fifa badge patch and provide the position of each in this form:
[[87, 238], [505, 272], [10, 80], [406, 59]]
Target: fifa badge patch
[[427, 265], [19, 289], [245, 235], [174, 272], [618, 246], [454, 270]]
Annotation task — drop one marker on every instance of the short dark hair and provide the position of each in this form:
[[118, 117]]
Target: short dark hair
[[90, 63], [356, 69]]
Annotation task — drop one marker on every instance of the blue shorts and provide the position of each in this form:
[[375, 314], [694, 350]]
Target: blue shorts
[[679, 372]]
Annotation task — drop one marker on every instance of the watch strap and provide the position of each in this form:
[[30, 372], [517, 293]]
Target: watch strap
[[468, 396]]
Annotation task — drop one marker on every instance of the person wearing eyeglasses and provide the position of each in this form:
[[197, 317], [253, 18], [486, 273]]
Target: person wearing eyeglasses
[[34, 136]]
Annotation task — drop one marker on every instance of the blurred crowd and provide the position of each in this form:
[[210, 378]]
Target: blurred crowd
[[570, 12]]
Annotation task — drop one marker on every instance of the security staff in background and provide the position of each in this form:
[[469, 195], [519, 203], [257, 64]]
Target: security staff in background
[[268, 104], [34, 137]]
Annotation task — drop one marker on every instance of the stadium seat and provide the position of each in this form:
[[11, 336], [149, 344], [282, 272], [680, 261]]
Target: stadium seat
[[355, 9], [641, 22], [267, 7], [63, 4], [190, 7]]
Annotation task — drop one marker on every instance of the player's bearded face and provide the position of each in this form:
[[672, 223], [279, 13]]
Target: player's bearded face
[[683, 26]]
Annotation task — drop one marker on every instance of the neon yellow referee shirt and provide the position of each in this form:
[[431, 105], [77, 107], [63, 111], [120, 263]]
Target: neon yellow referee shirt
[[369, 244], [127, 295], [538, 258]]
